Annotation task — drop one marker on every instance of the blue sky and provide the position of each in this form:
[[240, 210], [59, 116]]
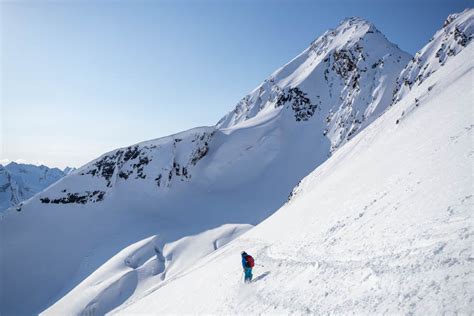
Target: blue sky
[[79, 78]]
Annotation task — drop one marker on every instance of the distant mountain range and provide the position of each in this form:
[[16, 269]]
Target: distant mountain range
[[19, 182]]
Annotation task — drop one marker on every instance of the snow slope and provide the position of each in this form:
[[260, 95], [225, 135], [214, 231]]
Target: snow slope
[[19, 182], [183, 185], [383, 226], [139, 268]]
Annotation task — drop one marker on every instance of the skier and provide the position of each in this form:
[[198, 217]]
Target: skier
[[247, 264]]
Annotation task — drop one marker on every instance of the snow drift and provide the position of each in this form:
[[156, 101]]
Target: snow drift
[[141, 268]]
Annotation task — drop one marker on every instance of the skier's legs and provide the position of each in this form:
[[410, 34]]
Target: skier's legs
[[248, 275]]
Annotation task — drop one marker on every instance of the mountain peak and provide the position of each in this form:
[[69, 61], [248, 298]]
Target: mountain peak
[[355, 21], [336, 83], [455, 16], [350, 31]]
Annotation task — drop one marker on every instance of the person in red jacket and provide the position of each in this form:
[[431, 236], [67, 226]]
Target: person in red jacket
[[247, 264]]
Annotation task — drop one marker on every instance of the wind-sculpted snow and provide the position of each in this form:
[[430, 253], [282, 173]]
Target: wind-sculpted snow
[[151, 261], [456, 34]]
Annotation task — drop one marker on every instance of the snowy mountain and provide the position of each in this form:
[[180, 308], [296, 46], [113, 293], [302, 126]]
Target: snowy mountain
[[345, 79], [239, 171], [384, 226], [136, 220], [19, 182], [9, 191]]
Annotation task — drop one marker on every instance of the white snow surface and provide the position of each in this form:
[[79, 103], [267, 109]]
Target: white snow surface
[[140, 268], [382, 227]]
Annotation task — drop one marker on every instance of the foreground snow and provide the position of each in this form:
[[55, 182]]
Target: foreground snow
[[384, 226]]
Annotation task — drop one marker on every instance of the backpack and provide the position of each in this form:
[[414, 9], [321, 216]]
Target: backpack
[[250, 261]]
